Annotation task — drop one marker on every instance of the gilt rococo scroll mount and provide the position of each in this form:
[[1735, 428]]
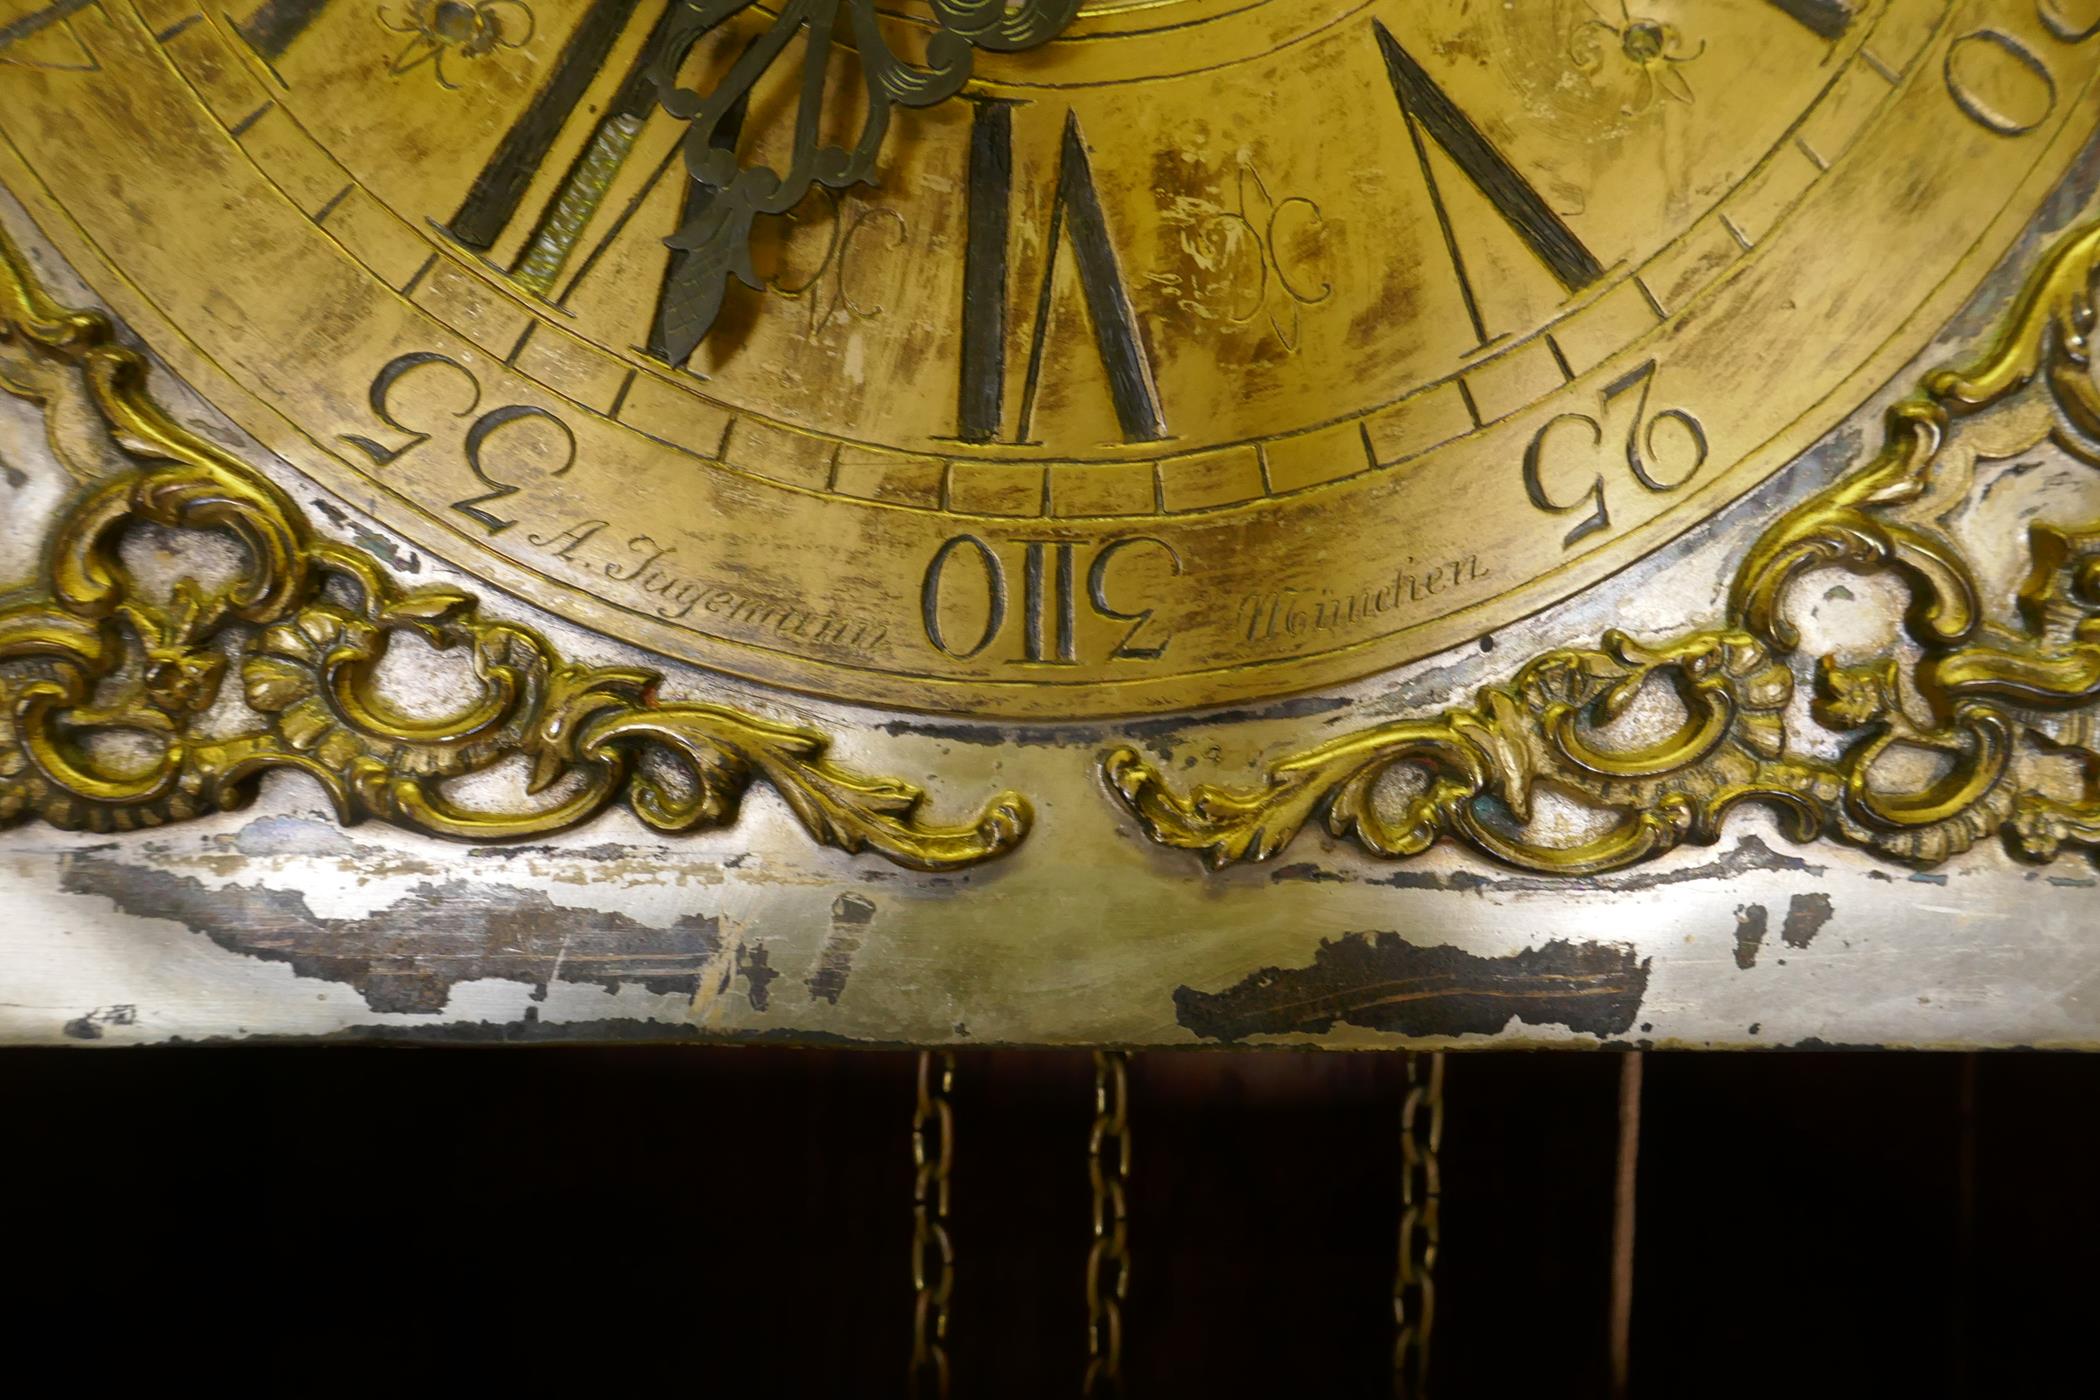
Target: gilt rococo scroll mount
[[1999, 704], [1033, 422], [2002, 702], [122, 707]]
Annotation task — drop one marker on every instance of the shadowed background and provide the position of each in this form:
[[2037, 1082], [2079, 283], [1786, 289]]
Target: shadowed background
[[1808, 1223]]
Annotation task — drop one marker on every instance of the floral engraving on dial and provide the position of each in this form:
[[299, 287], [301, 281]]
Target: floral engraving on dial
[[127, 702], [1961, 729], [441, 30], [1646, 53], [832, 286], [1259, 260], [716, 239]]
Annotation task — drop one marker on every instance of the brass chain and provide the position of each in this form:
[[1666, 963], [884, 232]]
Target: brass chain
[[1414, 1287], [1108, 1261], [932, 1251]]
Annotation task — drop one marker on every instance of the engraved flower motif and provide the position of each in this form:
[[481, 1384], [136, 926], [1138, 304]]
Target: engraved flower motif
[[454, 29], [1646, 50], [1263, 258]]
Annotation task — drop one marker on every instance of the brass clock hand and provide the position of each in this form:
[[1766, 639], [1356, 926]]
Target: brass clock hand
[[715, 242]]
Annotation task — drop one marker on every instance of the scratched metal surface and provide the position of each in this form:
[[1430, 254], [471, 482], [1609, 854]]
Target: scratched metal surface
[[274, 922]]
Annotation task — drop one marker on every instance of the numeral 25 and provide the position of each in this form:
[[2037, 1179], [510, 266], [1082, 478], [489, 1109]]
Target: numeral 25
[[1664, 450]]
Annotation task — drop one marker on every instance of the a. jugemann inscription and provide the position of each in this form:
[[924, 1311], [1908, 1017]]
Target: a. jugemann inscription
[[645, 567]]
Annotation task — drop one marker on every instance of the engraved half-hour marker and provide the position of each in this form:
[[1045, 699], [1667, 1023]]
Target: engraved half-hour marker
[[1560, 357], [1427, 109], [415, 279], [524, 339], [1826, 19], [1465, 396], [334, 202], [619, 400], [241, 127], [1648, 295]]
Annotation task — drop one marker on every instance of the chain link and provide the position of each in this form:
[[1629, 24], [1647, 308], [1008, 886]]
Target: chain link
[[1108, 1261], [932, 1252], [1414, 1287]]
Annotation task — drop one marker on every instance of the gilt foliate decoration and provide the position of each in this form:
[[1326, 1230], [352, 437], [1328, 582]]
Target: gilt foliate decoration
[[118, 701], [2001, 713]]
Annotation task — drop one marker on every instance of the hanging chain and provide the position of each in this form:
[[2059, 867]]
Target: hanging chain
[[1108, 1261], [1414, 1288], [932, 1252]]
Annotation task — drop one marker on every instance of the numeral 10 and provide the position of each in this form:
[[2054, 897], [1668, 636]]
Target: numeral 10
[[1049, 611]]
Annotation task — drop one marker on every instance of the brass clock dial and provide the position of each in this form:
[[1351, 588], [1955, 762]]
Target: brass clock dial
[[1188, 352]]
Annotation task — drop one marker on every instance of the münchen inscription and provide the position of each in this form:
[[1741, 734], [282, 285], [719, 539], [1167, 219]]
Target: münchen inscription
[[1283, 615]]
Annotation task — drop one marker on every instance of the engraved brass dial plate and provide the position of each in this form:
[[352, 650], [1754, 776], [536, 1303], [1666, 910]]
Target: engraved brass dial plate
[[1210, 350]]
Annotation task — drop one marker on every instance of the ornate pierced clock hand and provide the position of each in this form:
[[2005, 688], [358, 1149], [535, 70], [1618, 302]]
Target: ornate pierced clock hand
[[715, 242]]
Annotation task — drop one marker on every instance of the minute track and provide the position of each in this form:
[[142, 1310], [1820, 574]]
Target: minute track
[[1346, 481]]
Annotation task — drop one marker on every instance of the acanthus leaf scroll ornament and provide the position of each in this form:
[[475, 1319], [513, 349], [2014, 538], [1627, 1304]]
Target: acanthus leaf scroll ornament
[[1988, 705], [116, 698], [715, 242]]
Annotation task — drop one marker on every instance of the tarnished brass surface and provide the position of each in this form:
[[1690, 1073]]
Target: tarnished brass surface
[[1303, 433], [2003, 702], [1203, 352], [304, 626]]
